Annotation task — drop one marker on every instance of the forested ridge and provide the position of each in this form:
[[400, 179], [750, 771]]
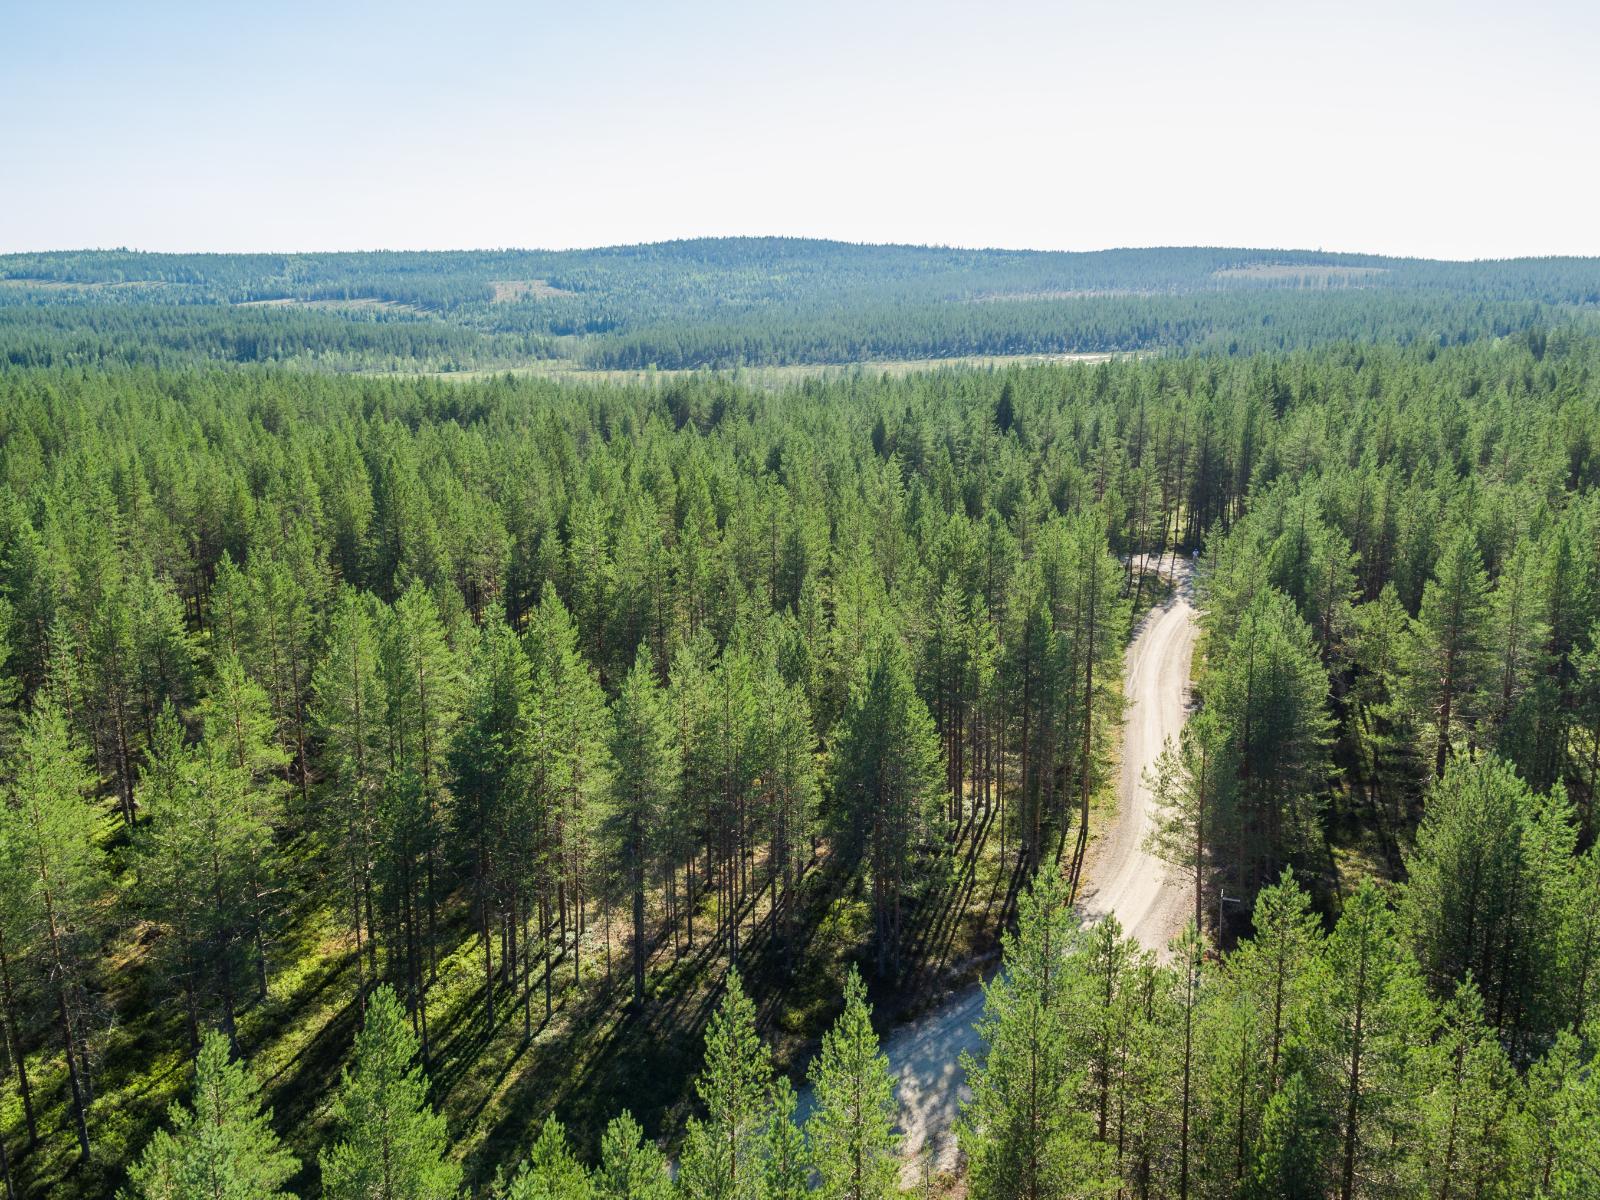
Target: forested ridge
[[730, 302], [450, 766]]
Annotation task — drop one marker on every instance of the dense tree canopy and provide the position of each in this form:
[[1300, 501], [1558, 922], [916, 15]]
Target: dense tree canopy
[[511, 715]]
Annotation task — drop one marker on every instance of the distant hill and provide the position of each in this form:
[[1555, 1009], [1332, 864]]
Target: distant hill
[[725, 302]]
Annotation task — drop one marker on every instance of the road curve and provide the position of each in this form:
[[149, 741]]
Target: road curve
[[1122, 878]]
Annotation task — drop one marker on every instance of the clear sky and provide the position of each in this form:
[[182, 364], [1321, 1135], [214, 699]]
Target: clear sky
[[1453, 129]]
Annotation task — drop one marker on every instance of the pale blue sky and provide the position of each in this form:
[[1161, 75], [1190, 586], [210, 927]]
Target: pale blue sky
[[1426, 127]]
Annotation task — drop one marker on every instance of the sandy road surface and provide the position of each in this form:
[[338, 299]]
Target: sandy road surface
[[1122, 878]]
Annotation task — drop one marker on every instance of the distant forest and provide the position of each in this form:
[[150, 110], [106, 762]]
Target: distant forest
[[734, 302]]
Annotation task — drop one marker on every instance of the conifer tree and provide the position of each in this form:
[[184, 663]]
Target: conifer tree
[[1374, 1010], [197, 850], [1268, 690], [1280, 970], [1560, 1127], [390, 1145], [645, 752], [1099, 619], [51, 832], [888, 786], [1023, 1136], [725, 1154], [423, 706], [630, 1167], [551, 1172], [788, 790], [1382, 722], [1446, 658], [1486, 893], [1467, 1128], [1287, 1162], [788, 1164], [570, 767], [489, 763], [239, 732], [1193, 785], [220, 1146], [850, 1132], [351, 710]]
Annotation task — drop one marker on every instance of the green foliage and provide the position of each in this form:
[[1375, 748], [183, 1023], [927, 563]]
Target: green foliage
[[630, 1168], [725, 1154], [726, 302], [1287, 1162], [645, 751], [551, 1172], [390, 618], [1486, 899], [850, 1133], [788, 1167], [218, 1147], [887, 785], [1446, 661], [1023, 1136], [390, 1142], [1267, 692]]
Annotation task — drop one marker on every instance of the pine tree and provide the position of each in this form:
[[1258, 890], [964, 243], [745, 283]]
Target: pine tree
[[489, 764], [1382, 722], [424, 704], [1467, 1129], [1559, 1156], [197, 851], [645, 752], [1374, 1011], [788, 1165], [725, 1154], [221, 1146], [1287, 1163], [1023, 1135], [788, 791], [888, 787], [1486, 894], [570, 772], [850, 1132], [1280, 970], [239, 733], [1268, 689], [391, 1144], [350, 708], [51, 831], [630, 1167], [1193, 787], [1099, 619], [1445, 660], [551, 1172]]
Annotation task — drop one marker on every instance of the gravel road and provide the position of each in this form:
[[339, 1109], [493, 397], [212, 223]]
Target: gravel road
[[1121, 878]]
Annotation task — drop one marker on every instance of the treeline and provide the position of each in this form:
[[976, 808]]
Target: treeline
[[752, 301], [1228, 324], [99, 337], [516, 683], [742, 269]]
